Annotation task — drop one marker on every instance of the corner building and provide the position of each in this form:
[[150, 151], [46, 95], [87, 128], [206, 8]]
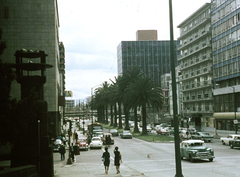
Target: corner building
[[33, 25], [226, 62], [195, 59]]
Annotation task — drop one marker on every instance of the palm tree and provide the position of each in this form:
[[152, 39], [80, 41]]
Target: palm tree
[[129, 77], [144, 92], [117, 96]]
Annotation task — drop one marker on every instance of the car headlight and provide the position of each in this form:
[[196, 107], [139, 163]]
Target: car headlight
[[194, 151]]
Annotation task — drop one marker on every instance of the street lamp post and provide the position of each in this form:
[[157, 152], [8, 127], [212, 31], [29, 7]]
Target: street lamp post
[[174, 94], [234, 109]]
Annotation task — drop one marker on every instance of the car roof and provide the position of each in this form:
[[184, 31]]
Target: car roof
[[193, 141]]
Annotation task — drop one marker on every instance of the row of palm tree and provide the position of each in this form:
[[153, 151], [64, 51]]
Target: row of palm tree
[[131, 90]]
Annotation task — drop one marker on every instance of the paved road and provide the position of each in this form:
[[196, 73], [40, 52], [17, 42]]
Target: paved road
[[142, 158]]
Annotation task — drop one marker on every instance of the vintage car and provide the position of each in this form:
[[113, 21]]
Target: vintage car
[[126, 134], [104, 138], [164, 130], [114, 132], [225, 140], [235, 142], [205, 136], [196, 149], [82, 143], [96, 142]]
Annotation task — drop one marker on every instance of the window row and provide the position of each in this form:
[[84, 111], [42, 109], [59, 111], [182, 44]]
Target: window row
[[231, 22], [226, 70], [226, 55], [225, 10], [232, 37]]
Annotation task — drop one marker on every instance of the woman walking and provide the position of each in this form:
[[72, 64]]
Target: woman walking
[[117, 159], [106, 159]]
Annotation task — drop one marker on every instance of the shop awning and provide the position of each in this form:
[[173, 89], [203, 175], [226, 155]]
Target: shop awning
[[226, 115]]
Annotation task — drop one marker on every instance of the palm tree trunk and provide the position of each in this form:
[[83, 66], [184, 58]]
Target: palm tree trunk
[[115, 113], [120, 116], [144, 114], [111, 115], [106, 114], [136, 130], [126, 112]]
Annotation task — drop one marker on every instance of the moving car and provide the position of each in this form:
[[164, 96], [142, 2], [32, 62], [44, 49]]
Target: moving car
[[196, 149], [114, 132], [205, 136], [104, 138], [82, 143], [225, 140], [235, 142], [56, 145], [96, 142], [126, 134], [98, 134]]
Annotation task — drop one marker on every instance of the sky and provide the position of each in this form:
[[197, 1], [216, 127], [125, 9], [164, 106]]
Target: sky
[[91, 31]]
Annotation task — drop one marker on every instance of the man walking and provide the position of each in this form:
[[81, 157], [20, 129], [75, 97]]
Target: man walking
[[62, 151]]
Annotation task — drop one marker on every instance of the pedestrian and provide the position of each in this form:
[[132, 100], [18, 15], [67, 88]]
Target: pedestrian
[[62, 151], [106, 159], [72, 152], [108, 140], [76, 136], [117, 159]]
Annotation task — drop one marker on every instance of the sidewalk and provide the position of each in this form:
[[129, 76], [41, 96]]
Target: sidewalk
[[92, 169]]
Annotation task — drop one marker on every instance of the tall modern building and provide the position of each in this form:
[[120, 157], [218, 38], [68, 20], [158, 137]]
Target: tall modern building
[[33, 25], [226, 62], [152, 56], [195, 60]]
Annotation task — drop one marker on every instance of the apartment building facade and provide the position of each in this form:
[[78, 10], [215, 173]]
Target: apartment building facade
[[33, 25], [226, 62], [195, 61]]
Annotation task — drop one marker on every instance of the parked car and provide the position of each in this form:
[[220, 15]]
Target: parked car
[[96, 142], [126, 134], [235, 142], [56, 145], [98, 134], [164, 131], [205, 136], [104, 138], [225, 140], [196, 149], [114, 132], [149, 129], [82, 143]]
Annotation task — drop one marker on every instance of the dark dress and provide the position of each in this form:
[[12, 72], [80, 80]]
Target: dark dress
[[117, 158], [106, 157]]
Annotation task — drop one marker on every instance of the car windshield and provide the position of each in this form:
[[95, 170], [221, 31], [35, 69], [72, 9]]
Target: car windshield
[[126, 131], [205, 133], [96, 139], [81, 140], [195, 144], [113, 130]]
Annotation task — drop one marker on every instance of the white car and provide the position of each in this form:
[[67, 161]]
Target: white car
[[225, 140], [96, 143]]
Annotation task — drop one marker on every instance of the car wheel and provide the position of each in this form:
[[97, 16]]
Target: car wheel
[[211, 159], [223, 143], [191, 159], [231, 146]]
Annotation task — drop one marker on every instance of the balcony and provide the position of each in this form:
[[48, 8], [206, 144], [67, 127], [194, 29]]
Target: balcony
[[198, 85]]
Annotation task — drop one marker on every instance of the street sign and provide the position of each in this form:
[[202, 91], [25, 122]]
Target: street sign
[[235, 121]]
